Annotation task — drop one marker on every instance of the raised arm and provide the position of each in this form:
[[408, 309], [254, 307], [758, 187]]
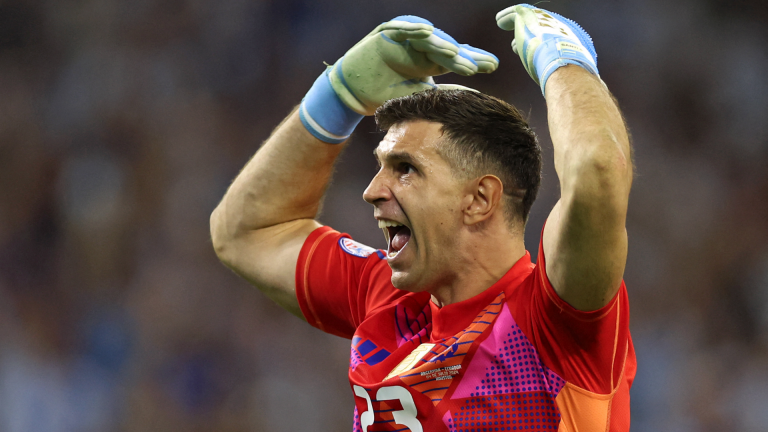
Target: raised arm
[[585, 238], [260, 225]]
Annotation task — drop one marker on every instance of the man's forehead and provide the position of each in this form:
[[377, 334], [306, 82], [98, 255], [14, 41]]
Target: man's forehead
[[410, 137]]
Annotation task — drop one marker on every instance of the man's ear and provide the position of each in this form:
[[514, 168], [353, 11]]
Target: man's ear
[[483, 199]]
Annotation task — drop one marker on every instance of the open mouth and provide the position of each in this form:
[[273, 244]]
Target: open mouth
[[397, 236]]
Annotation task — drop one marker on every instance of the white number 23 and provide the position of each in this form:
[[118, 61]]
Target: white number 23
[[405, 416]]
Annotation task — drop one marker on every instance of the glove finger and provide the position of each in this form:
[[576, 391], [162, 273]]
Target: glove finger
[[406, 27], [514, 46], [506, 18], [439, 42], [523, 37], [400, 35], [486, 62], [455, 87], [412, 19], [462, 63]]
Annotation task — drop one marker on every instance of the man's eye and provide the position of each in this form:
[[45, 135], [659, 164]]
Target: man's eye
[[406, 168]]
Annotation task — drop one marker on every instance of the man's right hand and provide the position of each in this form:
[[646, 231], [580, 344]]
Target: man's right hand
[[400, 57], [397, 58]]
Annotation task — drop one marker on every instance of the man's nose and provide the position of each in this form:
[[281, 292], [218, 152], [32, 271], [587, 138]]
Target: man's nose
[[377, 190]]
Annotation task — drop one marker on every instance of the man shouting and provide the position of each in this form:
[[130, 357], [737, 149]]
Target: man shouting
[[453, 328]]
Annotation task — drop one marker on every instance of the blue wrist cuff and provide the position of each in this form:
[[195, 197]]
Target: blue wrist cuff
[[557, 64], [553, 54], [324, 115], [556, 52]]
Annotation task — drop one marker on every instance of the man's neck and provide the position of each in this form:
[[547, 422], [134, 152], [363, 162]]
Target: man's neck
[[480, 264]]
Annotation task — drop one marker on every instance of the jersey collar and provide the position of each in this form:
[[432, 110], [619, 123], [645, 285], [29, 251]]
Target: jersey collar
[[451, 319]]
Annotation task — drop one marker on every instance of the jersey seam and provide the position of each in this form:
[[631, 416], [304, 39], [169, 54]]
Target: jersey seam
[[613, 388], [600, 396], [615, 341], [305, 288], [608, 417], [623, 369], [369, 267]]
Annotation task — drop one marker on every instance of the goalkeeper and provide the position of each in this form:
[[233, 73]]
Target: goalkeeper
[[453, 327]]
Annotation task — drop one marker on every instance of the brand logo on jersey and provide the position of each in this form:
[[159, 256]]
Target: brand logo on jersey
[[354, 248], [368, 351]]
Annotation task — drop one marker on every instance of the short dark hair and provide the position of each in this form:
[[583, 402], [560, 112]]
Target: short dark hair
[[485, 136]]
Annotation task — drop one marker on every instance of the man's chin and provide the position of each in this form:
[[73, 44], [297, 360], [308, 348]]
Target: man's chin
[[404, 281]]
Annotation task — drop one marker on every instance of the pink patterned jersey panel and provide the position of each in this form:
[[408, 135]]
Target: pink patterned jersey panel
[[506, 385], [448, 421], [356, 422], [507, 362]]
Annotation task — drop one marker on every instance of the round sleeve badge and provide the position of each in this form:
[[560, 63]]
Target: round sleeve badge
[[354, 248]]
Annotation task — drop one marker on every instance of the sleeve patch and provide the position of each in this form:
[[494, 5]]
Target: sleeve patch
[[354, 248]]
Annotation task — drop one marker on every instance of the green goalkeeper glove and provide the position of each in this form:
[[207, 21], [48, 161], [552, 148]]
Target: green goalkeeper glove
[[546, 41], [397, 58]]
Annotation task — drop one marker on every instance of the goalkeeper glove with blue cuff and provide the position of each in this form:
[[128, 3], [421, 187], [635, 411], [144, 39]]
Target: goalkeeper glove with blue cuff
[[397, 58], [546, 41]]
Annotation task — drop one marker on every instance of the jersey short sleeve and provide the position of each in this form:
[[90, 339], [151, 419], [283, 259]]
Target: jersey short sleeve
[[592, 351], [588, 347], [340, 281]]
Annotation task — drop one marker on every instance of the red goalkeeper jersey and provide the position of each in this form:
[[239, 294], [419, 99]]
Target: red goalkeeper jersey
[[513, 358]]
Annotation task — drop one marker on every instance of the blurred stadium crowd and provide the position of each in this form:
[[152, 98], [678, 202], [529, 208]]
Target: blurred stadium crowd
[[123, 121]]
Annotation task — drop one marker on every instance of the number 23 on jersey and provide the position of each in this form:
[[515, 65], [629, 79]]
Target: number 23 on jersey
[[405, 416]]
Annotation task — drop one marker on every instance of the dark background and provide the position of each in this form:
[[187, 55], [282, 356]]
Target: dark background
[[123, 121]]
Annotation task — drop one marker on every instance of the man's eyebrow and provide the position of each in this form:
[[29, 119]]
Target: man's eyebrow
[[398, 157]]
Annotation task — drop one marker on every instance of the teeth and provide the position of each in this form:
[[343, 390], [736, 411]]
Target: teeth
[[386, 223]]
